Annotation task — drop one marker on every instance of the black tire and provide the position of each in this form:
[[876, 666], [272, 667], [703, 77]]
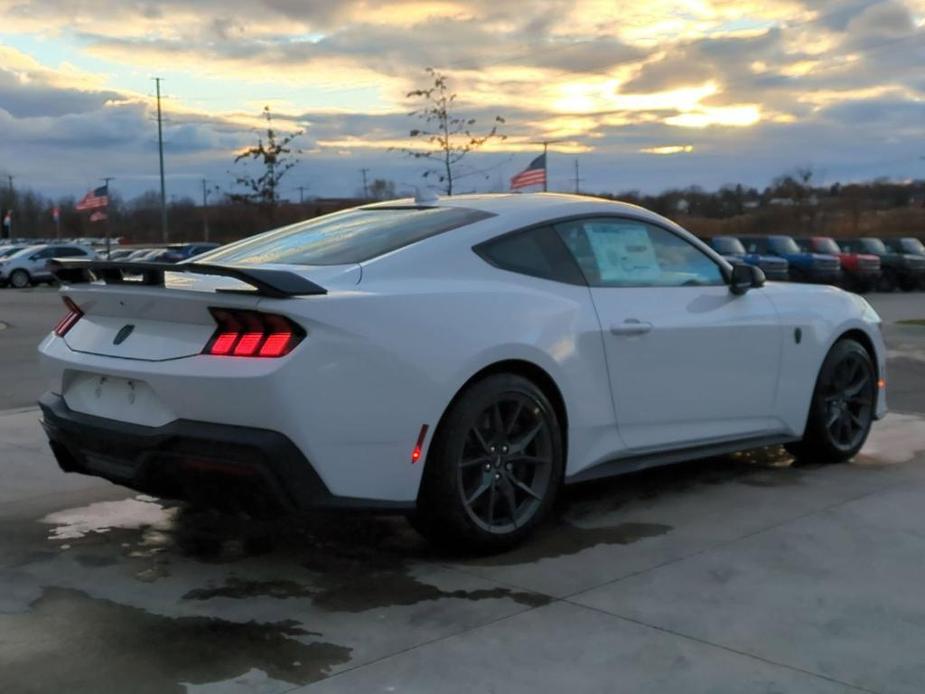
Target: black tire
[[887, 281], [842, 409], [478, 453], [20, 279], [908, 284]]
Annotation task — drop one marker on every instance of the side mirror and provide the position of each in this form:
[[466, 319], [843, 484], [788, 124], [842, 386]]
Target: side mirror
[[745, 277], [34, 256]]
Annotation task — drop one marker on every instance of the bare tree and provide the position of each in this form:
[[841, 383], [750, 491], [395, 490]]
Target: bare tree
[[276, 158], [448, 135]]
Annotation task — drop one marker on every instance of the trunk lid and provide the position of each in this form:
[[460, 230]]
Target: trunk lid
[[170, 322]]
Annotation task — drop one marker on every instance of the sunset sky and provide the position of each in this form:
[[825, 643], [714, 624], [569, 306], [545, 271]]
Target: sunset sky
[[646, 94]]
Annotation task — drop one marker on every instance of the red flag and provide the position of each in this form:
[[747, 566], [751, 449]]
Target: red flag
[[98, 217], [55, 213]]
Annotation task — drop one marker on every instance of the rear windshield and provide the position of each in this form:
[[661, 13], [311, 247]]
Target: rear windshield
[[345, 237]]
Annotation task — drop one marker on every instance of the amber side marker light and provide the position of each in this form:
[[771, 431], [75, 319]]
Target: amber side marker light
[[881, 383]]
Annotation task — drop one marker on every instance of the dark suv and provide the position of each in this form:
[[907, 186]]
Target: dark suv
[[860, 271], [900, 269], [731, 249], [820, 268]]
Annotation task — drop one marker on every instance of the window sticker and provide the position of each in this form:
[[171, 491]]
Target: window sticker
[[624, 253]]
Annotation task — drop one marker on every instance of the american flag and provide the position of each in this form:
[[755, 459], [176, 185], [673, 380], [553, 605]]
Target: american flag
[[95, 199], [534, 174], [98, 217]]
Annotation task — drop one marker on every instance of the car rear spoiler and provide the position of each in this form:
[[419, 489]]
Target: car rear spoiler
[[279, 284]]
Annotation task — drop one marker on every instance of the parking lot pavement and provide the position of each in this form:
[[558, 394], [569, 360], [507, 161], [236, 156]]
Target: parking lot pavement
[[739, 574]]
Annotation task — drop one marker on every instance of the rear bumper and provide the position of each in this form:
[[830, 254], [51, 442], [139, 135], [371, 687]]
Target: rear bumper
[[213, 464]]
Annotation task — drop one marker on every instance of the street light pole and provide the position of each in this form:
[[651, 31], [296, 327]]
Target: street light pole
[[205, 211]]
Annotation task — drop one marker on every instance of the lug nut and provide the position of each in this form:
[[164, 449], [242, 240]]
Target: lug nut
[[497, 475], [508, 467]]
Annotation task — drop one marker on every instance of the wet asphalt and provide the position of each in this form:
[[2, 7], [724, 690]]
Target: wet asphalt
[[738, 574]]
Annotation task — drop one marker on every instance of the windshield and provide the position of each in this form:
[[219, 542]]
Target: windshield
[[728, 245], [784, 244], [874, 246], [827, 246], [6, 252], [345, 237], [913, 246], [29, 250]]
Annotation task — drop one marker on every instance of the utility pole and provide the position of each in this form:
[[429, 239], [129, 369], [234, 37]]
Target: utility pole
[[577, 178], [301, 190], [160, 152], [365, 184], [205, 211], [106, 180]]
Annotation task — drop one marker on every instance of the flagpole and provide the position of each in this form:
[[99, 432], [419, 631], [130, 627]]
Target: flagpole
[[106, 181], [545, 167]]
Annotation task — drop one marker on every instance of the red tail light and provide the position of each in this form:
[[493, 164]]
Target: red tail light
[[73, 315], [252, 334]]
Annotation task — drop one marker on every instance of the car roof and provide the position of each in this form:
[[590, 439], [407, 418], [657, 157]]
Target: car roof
[[546, 205]]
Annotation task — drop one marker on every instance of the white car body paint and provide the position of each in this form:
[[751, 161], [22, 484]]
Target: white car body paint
[[397, 337]]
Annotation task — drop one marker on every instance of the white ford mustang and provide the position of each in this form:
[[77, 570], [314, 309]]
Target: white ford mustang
[[456, 359]]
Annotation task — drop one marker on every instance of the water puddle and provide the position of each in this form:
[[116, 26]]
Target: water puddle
[[155, 653]]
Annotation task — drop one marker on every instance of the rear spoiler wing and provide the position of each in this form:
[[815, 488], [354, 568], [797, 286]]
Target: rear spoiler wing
[[278, 284]]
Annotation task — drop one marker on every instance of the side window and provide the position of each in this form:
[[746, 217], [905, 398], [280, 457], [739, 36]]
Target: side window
[[755, 245], [629, 253], [66, 252], [536, 252]]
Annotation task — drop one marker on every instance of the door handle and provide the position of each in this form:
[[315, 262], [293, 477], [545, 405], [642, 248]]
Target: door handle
[[631, 326]]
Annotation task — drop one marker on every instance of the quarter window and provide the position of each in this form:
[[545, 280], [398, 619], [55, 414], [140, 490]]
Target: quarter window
[[536, 252], [630, 253]]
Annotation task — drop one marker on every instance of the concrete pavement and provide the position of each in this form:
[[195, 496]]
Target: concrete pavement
[[740, 574]]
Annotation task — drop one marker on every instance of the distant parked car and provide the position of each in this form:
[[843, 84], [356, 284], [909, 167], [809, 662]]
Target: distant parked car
[[731, 249], [903, 270], [819, 268], [906, 244], [143, 254], [120, 253], [29, 265], [183, 251], [860, 271]]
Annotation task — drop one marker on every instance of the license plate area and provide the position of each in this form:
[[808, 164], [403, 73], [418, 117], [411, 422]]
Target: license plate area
[[121, 399]]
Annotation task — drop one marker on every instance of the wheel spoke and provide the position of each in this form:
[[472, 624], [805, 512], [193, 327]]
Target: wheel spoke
[[529, 459], [834, 416], [481, 439], [858, 387], [508, 492], [524, 488], [482, 488], [491, 504], [521, 444], [481, 460], [510, 425], [497, 422]]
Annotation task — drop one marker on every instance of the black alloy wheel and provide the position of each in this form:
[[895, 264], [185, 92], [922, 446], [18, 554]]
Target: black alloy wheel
[[494, 468], [843, 406]]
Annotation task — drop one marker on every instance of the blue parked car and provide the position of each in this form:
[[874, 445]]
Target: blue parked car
[[819, 268], [731, 249]]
